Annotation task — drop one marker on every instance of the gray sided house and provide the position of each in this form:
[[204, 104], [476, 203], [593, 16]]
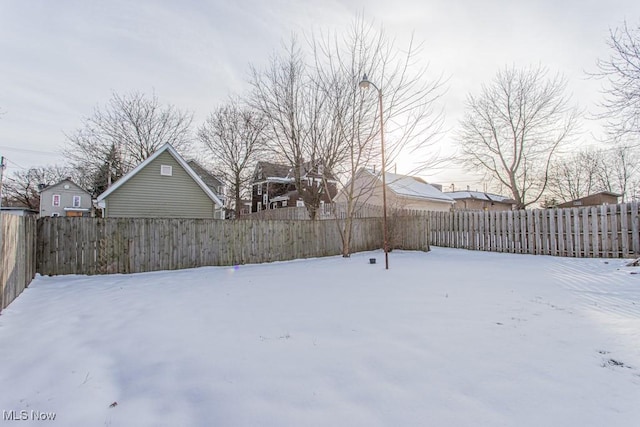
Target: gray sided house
[[65, 198], [162, 186]]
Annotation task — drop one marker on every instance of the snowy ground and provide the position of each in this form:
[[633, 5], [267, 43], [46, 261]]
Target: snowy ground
[[446, 338]]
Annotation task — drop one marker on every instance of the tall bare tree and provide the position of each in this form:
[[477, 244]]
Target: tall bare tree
[[127, 130], [411, 122], [513, 129], [299, 128], [317, 112], [234, 136], [621, 72]]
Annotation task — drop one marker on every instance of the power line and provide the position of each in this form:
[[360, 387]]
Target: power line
[[26, 150]]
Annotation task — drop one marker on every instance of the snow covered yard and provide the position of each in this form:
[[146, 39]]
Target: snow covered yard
[[446, 338]]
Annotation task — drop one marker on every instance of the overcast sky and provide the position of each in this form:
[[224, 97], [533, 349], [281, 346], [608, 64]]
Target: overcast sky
[[61, 58]]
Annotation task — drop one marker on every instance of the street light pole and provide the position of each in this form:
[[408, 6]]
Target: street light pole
[[364, 84]]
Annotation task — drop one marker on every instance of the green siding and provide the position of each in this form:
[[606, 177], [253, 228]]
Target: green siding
[[151, 195]]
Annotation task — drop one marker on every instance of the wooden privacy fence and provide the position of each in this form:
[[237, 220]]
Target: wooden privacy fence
[[17, 256], [131, 245], [331, 212], [607, 231]]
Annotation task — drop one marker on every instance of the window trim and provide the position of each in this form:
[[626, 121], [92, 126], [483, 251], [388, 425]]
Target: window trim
[[56, 197], [166, 170], [79, 198]]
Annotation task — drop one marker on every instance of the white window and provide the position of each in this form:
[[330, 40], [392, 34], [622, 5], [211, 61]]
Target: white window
[[259, 206], [259, 189], [55, 215], [265, 199], [284, 203], [300, 203], [166, 170], [76, 201], [56, 200]]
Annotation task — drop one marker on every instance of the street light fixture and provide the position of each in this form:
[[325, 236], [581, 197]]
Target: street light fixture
[[364, 84]]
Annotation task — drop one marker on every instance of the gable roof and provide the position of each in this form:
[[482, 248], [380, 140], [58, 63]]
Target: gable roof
[[66, 180], [284, 173], [211, 181], [172, 151], [411, 186], [479, 195], [268, 170]]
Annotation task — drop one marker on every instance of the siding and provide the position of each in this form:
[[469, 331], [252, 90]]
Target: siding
[[151, 195], [66, 198]]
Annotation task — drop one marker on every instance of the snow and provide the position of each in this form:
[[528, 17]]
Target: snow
[[476, 195], [408, 186], [446, 338]]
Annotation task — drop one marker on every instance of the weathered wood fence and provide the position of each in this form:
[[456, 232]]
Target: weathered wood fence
[[17, 256], [329, 212], [103, 246], [607, 231]]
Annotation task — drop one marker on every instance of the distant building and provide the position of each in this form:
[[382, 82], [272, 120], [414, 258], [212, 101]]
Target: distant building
[[480, 201], [18, 210], [597, 199], [65, 198], [273, 185], [403, 192]]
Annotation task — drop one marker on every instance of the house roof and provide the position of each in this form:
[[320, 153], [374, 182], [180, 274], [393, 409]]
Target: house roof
[[212, 181], [479, 195], [172, 151], [61, 182], [272, 170], [414, 187], [284, 173]]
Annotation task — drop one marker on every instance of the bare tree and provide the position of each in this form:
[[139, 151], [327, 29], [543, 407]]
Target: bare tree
[[411, 122], [575, 176], [299, 129], [22, 187], [621, 71], [619, 170], [234, 137], [127, 130], [317, 112], [515, 127]]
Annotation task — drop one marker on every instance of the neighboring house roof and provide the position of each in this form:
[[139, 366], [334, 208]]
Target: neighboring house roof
[[268, 170], [479, 195], [414, 187], [62, 182], [169, 149], [18, 209], [284, 173], [211, 181], [589, 199]]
